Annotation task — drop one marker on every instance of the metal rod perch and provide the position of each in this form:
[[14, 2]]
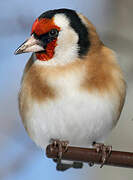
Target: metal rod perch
[[86, 155]]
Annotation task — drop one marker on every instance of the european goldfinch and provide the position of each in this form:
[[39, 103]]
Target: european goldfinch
[[72, 87]]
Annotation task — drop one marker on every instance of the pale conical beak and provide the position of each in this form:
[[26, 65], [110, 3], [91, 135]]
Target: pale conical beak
[[30, 45]]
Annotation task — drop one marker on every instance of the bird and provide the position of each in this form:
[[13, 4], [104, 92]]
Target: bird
[[73, 89]]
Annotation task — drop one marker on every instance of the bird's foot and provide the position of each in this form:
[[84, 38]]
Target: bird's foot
[[61, 145], [63, 166], [62, 148], [91, 164], [104, 150]]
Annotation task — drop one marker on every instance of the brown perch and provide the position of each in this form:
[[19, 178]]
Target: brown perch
[[86, 155]]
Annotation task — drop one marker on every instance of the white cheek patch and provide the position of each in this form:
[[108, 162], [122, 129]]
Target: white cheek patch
[[67, 43], [61, 21], [67, 38], [67, 46]]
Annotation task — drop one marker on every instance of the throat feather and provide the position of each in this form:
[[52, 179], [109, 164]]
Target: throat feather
[[49, 52]]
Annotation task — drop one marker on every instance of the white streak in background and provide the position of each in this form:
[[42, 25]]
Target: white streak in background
[[18, 156]]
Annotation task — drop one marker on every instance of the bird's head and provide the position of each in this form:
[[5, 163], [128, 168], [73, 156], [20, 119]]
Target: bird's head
[[58, 34]]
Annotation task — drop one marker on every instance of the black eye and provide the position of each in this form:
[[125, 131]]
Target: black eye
[[53, 33]]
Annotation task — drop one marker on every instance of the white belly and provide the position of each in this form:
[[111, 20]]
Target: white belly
[[81, 119]]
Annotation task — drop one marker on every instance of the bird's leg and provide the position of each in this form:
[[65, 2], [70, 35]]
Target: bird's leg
[[61, 145], [62, 148], [104, 150]]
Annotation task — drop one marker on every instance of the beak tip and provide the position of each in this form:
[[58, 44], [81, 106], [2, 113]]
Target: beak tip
[[18, 51], [15, 53]]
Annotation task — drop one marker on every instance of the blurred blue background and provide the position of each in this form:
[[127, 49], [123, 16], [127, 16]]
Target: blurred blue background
[[20, 159]]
